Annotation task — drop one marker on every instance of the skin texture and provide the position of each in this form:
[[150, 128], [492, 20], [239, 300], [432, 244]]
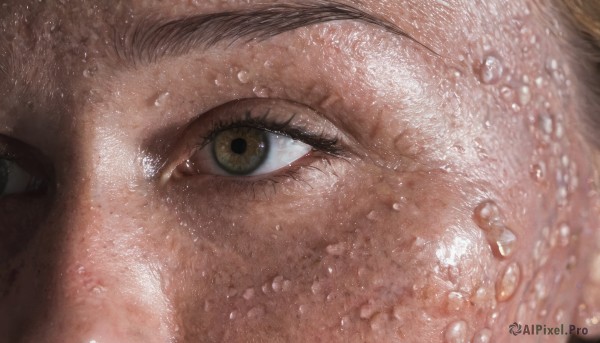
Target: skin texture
[[383, 244]]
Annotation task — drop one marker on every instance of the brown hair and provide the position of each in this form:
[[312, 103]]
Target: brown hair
[[582, 17]]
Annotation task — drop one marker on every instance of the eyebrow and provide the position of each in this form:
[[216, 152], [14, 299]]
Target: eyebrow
[[148, 40]]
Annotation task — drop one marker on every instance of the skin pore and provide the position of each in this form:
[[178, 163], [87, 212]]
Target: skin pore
[[449, 192]]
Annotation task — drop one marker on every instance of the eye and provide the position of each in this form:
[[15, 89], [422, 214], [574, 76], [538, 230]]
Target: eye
[[254, 139], [15, 180], [248, 151]]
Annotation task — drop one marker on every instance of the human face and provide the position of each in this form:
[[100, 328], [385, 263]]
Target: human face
[[441, 192]]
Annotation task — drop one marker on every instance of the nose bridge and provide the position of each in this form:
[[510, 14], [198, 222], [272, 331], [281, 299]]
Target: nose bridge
[[104, 288]]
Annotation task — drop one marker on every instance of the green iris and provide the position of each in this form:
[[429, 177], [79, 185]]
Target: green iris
[[240, 151], [3, 175]]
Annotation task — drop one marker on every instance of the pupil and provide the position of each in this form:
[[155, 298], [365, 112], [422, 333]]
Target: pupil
[[239, 146]]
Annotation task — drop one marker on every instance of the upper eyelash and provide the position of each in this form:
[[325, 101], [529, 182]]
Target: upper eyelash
[[318, 141]]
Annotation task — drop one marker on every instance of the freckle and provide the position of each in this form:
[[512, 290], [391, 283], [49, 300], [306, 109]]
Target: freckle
[[508, 282], [456, 332], [483, 336], [243, 76]]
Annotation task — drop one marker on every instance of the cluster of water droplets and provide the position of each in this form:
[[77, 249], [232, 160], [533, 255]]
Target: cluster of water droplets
[[489, 218]]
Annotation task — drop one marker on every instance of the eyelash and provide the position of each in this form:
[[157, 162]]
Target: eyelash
[[321, 142]]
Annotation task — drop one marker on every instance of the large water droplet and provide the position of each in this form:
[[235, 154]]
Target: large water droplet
[[487, 215], [483, 336], [456, 332], [243, 76], [508, 282], [506, 242], [491, 70]]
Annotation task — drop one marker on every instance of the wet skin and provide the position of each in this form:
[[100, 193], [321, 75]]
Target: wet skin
[[441, 152]]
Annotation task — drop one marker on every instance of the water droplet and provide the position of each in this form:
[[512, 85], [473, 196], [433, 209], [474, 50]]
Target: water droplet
[[233, 315], [456, 332], [243, 76], [561, 195], [546, 123], [256, 312], [265, 288], [248, 294], [483, 336], [491, 70], [336, 249], [277, 283], [396, 206], [367, 311], [345, 322], [372, 215], [564, 234], [538, 171], [487, 215], [315, 288], [506, 242], [508, 282], [539, 82], [90, 72], [397, 312], [161, 99], [507, 93], [261, 92], [524, 95], [559, 315], [302, 309]]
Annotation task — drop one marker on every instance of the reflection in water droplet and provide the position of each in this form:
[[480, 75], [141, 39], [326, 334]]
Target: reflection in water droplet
[[456, 332], [508, 282], [396, 206], [491, 70], [483, 336], [233, 315], [243, 76], [345, 322]]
